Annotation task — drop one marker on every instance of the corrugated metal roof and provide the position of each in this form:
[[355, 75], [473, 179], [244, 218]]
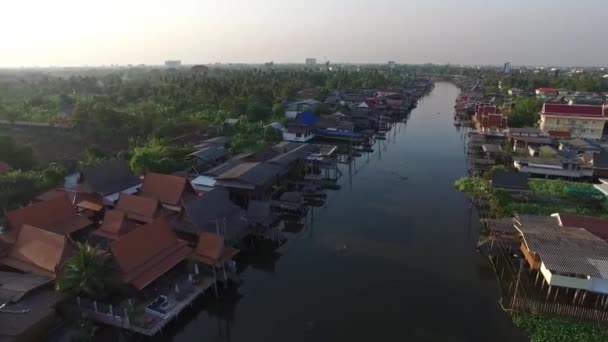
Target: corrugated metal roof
[[565, 250], [109, 178]]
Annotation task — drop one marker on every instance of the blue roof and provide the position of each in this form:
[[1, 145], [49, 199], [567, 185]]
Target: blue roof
[[307, 118]]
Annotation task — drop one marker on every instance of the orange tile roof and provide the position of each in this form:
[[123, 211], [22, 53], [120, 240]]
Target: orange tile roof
[[55, 215], [148, 252], [38, 251], [167, 189], [210, 250], [114, 225], [139, 208]]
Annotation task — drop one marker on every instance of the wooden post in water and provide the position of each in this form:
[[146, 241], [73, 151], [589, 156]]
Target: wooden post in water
[[575, 296], [548, 293], [215, 281], [521, 266], [556, 292]]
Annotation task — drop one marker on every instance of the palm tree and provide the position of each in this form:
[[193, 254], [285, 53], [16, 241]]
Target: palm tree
[[90, 273]]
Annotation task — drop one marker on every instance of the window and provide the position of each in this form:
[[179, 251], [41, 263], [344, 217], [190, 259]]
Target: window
[[572, 122], [298, 135]]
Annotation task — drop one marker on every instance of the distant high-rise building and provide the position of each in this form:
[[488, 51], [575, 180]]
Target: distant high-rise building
[[507, 68], [173, 63], [311, 61], [391, 65]]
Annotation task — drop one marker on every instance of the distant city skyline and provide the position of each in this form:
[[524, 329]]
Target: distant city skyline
[[472, 32]]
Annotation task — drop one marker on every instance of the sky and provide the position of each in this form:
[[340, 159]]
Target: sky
[[102, 32]]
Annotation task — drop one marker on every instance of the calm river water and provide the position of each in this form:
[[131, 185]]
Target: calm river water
[[390, 258]]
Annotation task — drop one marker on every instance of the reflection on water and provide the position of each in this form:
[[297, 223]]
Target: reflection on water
[[390, 256]]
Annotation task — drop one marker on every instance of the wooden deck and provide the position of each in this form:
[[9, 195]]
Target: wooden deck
[[153, 324]]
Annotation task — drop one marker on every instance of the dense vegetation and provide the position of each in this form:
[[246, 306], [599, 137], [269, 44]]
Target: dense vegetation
[[549, 196], [17, 156], [552, 329], [525, 112]]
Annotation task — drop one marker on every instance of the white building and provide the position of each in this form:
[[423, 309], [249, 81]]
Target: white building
[[311, 61], [173, 63]]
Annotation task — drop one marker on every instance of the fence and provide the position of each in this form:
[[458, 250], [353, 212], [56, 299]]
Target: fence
[[559, 309]]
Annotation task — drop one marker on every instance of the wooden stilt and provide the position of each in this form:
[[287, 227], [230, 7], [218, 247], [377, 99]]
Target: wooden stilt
[[548, 293], [575, 296], [597, 299], [515, 293], [215, 281], [536, 281], [584, 297], [556, 292]]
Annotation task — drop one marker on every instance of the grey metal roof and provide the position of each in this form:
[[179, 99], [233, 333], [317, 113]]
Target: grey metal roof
[[300, 152], [220, 141], [257, 174], [534, 140], [209, 153], [218, 170], [510, 180], [491, 148], [202, 212], [110, 177], [13, 286], [565, 250]]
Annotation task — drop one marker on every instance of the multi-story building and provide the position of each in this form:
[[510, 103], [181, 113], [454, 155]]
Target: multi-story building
[[582, 121], [311, 61]]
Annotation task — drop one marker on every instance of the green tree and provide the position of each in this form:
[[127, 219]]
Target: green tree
[[89, 273], [18, 156], [278, 111], [525, 112], [93, 156], [159, 156]]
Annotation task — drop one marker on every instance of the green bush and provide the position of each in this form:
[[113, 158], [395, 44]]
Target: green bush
[[552, 329]]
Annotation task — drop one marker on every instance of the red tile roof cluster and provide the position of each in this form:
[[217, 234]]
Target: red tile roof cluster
[[74, 197], [487, 109], [167, 189], [38, 251], [5, 167], [489, 116], [148, 252], [558, 109], [594, 225], [138, 208], [56, 215], [114, 225]]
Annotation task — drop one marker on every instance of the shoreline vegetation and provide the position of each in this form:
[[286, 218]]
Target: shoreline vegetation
[[550, 196]]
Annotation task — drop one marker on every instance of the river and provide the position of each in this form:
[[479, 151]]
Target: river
[[391, 256]]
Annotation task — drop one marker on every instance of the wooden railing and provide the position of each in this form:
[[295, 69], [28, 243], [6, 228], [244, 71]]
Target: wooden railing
[[559, 309]]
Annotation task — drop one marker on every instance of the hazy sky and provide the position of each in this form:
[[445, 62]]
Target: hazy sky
[[94, 32]]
